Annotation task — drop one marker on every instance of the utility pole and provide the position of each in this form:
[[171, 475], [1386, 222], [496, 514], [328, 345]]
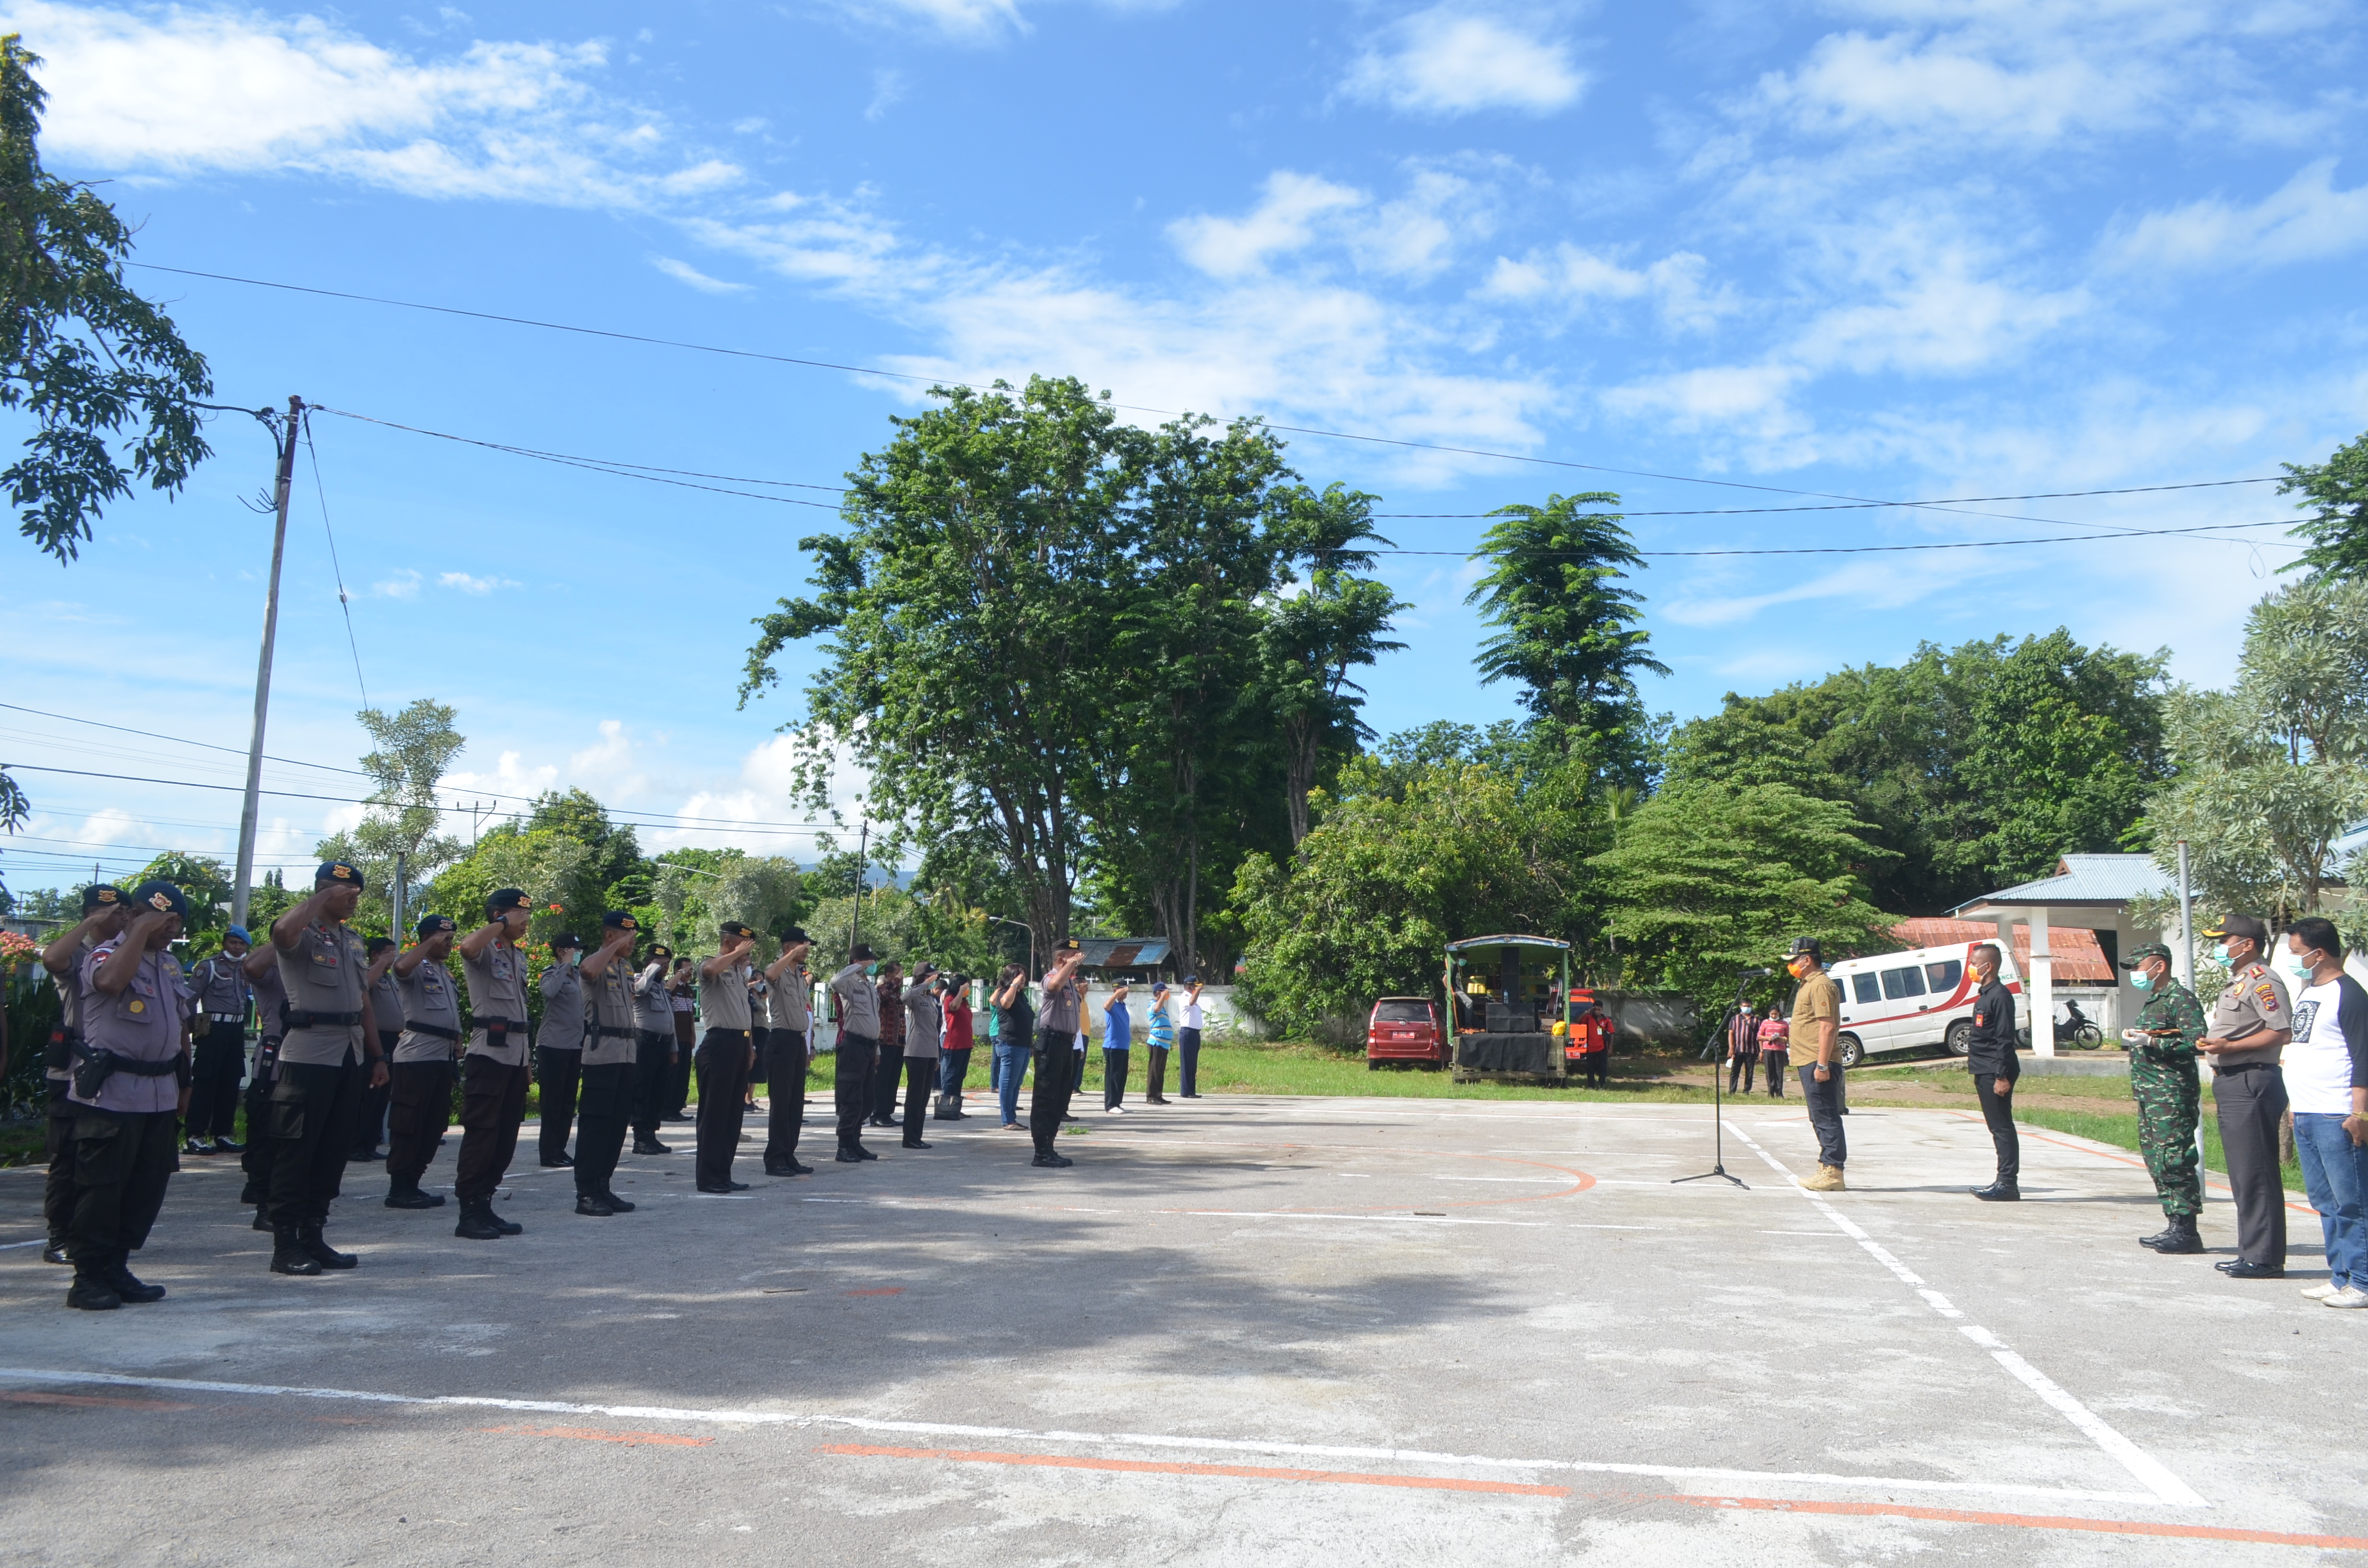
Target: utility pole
[[395, 894], [286, 437], [855, 905]]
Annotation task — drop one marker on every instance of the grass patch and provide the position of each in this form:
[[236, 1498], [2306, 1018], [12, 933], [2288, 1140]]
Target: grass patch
[[2120, 1129], [1301, 1067]]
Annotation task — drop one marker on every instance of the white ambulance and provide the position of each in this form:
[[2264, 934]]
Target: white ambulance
[[1910, 1001]]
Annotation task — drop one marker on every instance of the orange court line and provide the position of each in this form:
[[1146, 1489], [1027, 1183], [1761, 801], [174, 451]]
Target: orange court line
[[2035, 1522], [592, 1434], [1238, 1471], [887, 1290], [93, 1399]]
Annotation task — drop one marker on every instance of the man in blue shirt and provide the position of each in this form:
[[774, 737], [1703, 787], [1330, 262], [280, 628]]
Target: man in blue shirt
[[1117, 1036]]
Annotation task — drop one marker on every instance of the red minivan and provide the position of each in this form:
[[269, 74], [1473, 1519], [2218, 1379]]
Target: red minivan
[[1404, 1030]]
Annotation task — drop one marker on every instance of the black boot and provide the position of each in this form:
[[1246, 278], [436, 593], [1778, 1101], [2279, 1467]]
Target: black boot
[[616, 1204], [2182, 1238], [263, 1219], [128, 1285], [506, 1227], [56, 1251], [91, 1291], [288, 1253], [403, 1192], [1999, 1192], [477, 1223], [592, 1207], [253, 1193], [650, 1146], [309, 1237], [847, 1156], [560, 1162]]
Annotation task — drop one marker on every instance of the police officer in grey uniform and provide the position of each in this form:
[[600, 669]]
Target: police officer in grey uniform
[[386, 1007], [611, 1049], [923, 1020], [420, 1095], [2249, 1027], [856, 1002], [219, 1060], [270, 1026], [130, 1073], [558, 1047], [104, 915], [654, 1048], [724, 1057], [330, 1051], [494, 1074], [785, 1067]]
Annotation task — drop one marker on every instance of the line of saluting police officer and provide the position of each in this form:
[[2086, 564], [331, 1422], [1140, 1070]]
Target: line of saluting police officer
[[343, 1020]]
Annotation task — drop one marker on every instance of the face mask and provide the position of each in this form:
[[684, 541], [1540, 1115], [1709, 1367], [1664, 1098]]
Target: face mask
[[575, 958], [2220, 954], [2141, 981]]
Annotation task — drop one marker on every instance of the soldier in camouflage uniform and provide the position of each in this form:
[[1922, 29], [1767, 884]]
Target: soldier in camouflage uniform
[[2163, 1081]]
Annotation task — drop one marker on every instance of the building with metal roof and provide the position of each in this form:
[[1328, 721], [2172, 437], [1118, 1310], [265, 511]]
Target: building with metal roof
[[2091, 893]]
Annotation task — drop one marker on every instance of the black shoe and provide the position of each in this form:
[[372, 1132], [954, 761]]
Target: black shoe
[[591, 1208], [289, 1257], [253, 1194], [728, 1187], [506, 1227], [128, 1285], [55, 1253], [650, 1146], [2180, 1238], [1999, 1192], [849, 1157], [225, 1146], [864, 1153], [406, 1195], [791, 1169], [321, 1251], [262, 1218], [477, 1223], [90, 1293], [563, 1162], [1051, 1161], [915, 1144], [196, 1146], [880, 1121], [364, 1156], [2241, 1269], [2160, 1237], [617, 1205]]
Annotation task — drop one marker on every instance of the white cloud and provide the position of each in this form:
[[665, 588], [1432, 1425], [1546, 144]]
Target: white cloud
[[1852, 82], [1283, 220], [962, 21], [683, 272], [1571, 275], [2306, 220], [480, 586], [888, 86], [1454, 60], [511, 775], [404, 584]]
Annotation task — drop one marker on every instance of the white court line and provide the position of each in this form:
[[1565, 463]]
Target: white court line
[[1377, 1218], [11, 1247], [1113, 1440], [1526, 1180], [2157, 1477]]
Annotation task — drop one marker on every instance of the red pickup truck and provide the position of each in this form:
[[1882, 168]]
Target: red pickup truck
[[1405, 1030]]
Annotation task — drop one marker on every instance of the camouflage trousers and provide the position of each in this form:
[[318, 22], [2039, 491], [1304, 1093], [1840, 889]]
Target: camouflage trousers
[[2169, 1101]]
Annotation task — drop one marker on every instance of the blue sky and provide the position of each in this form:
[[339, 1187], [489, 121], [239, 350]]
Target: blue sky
[[1889, 251]]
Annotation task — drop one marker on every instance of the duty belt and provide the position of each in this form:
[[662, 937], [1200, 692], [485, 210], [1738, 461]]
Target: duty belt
[[296, 1020], [439, 1030], [497, 1030], [97, 1065], [609, 1032], [227, 1018]]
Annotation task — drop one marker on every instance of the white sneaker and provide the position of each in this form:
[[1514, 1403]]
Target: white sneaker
[[2321, 1291], [2350, 1296], [1114, 1110]]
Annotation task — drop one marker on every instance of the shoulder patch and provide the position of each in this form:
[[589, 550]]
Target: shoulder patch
[[2269, 995]]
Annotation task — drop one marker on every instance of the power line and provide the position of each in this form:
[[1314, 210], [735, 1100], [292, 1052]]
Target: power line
[[179, 740], [1865, 505], [1887, 549], [1132, 408], [345, 601]]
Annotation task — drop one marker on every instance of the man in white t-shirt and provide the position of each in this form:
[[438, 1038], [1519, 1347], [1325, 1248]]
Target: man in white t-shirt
[[2326, 1066], [1188, 1042]]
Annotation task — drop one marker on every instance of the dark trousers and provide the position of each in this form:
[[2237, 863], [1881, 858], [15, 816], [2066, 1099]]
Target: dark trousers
[[2251, 1102], [262, 1154], [57, 1195], [369, 1118], [722, 1083], [883, 1080], [122, 1162], [604, 1103], [920, 1077], [685, 1054], [1114, 1077], [851, 1085], [1773, 1061], [953, 1066], [760, 1038], [1825, 1111], [310, 1119], [558, 1071], [215, 1068], [419, 1107], [1997, 1111], [1054, 1051], [652, 1077], [785, 1096], [1188, 1063], [1154, 1084], [492, 1104], [1595, 1069], [1738, 1069]]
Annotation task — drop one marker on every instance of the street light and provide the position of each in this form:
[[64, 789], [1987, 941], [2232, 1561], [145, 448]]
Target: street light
[[1031, 940]]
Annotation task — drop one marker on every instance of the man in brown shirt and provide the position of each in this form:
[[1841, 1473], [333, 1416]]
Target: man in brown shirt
[[1817, 1014]]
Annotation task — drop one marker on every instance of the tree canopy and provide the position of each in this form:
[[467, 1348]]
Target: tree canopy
[[2335, 492]]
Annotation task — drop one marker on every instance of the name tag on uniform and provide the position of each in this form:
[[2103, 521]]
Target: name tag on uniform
[[324, 958]]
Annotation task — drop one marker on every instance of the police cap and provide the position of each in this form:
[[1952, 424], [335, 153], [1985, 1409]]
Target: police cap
[[619, 920], [339, 873], [565, 940], [100, 895], [433, 926], [161, 896], [2238, 926], [501, 901]]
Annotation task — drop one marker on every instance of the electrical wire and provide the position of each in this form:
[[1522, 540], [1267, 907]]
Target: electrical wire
[[344, 600], [177, 739], [1888, 549], [1865, 505]]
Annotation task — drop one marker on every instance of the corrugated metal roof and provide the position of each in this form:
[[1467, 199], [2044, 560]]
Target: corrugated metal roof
[[1124, 952], [2078, 954], [2084, 878]]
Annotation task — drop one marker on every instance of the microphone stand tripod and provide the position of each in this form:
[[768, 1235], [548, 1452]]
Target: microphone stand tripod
[[1718, 1106]]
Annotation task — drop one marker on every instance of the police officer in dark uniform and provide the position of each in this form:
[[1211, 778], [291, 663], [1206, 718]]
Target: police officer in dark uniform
[[386, 1007], [610, 1051], [129, 1078], [330, 1051], [495, 1074], [220, 1060], [654, 1048], [270, 1026], [558, 1047], [420, 1086], [104, 915], [1990, 1057], [2250, 1025]]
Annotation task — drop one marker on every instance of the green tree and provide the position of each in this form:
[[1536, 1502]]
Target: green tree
[[205, 883], [115, 392], [1567, 630], [1708, 879], [2272, 773], [2336, 494], [409, 752]]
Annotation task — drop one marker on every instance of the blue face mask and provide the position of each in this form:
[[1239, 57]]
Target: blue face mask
[[2220, 954], [2143, 980]]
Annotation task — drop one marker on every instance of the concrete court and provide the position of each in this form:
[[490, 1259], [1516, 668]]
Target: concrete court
[[1239, 1331]]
